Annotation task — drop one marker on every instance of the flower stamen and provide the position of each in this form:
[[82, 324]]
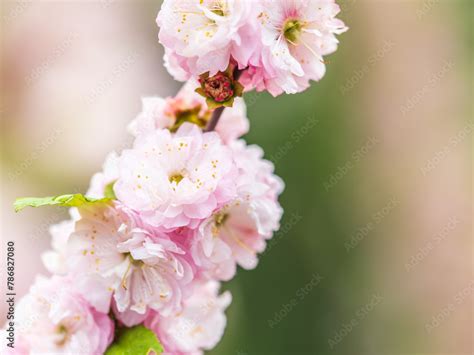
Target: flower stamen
[[63, 335], [176, 178], [292, 30]]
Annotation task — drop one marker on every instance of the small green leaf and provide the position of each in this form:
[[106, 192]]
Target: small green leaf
[[201, 91], [109, 191], [211, 104], [238, 89], [228, 103], [70, 200], [137, 340]]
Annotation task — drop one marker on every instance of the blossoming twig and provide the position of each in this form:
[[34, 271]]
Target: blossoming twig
[[146, 249], [216, 114]]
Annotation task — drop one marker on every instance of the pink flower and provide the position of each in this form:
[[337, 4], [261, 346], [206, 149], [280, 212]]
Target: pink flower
[[55, 260], [237, 232], [54, 319], [279, 44], [199, 326], [111, 254], [177, 65], [255, 173], [188, 106], [235, 235], [202, 36], [295, 34], [107, 176], [175, 180]]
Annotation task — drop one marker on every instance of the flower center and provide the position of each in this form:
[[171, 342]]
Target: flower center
[[131, 261], [189, 115], [218, 8], [292, 30], [220, 218], [218, 12], [63, 335], [176, 178]]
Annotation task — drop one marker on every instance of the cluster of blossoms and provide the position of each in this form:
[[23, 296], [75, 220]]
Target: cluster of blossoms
[[189, 207], [277, 44], [171, 218]]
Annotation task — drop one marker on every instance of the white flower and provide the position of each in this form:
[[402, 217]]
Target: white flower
[[107, 176], [201, 35], [110, 254], [199, 326], [175, 180], [55, 260], [53, 318], [296, 34], [237, 232]]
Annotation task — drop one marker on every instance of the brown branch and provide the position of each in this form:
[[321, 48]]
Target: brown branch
[[216, 115]]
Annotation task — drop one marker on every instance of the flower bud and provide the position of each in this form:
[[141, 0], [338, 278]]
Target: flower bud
[[218, 87]]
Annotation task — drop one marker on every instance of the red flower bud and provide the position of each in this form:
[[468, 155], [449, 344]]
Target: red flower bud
[[218, 87]]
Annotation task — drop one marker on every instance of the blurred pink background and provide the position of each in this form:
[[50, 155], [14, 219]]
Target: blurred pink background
[[73, 74]]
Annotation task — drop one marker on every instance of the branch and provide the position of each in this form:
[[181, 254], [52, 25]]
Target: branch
[[216, 115]]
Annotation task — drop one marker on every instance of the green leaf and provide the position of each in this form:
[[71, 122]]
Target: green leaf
[[109, 191], [211, 104], [70, 200], [137, 340], [228, 103], [238, 89], [201, 91]]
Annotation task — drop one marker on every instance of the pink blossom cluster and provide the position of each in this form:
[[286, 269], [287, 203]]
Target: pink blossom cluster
[[190, 201], [190, 206], [278, 45]]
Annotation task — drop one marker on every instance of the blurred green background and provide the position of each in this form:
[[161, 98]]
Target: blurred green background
[[376, 158]]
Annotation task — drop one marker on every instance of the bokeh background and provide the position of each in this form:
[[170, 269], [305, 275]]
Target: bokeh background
[[375, 253]]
